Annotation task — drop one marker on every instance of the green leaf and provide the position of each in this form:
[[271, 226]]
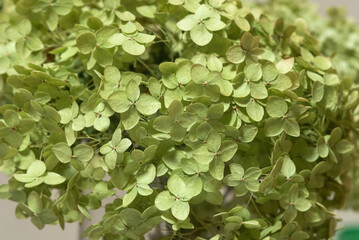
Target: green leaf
[[62, 151], [83, 153], [200, 35], [258, 90], [273, 127], [322, 63], [214, 24], [146, 174], [291, 127], [130, 118], [132, 91], [133, 47], [176, 185], [227, 150], [34, 202], [11, 118], [147, 105], [276, 107], [180, 210], [86, 42], [118, 101], [187, 23], [52, 178], [247, 133], [164, 201], [102, 56], [288, 167], [302, 204], [129, 197], [202, 155], [163, 124], [255, 111], [235, 54], [285, 65], [253, 72], [36, 169]]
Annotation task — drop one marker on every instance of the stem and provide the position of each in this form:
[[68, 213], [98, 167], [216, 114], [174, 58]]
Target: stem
[[203, 223], [147, 67]]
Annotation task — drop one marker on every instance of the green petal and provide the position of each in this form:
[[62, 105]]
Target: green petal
[[86, 42], [187, 23], [214, 24], [180, 210], [130, 118], [291, 127], [200, 35], [273, 127], [83, 153], [103, 57], [132, 47], [276, 107], [63, 152], [52, 178], [119, 102], [255, 111], [147, 105], [164, 201], [235, 54]]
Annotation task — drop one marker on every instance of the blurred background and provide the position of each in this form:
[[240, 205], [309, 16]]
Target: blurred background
[[15, 229]]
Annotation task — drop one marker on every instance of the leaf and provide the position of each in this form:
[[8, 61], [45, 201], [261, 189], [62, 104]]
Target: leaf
[[216, 169], [180, 210], [84, 211], [24, 178], [129, 197], [255, 111], [302, 204], [202, 155], [318, 91], [322, 63], [36, 169], [258, 90], [52, 178], [130, 118], [227, 150], [276, 107], [291, 127], [11, 118], [83, 153], [242, 23], [147, 105], [118, 101], [102, 56], [253, 72], [163, 124], [247, 133], [146, 174], [34, 202], [164, 201], [285, 65], [235, 54], [63, 152], [200, 35], [214, 24], [288, 167], [322, 147], [273, 127], [187, 23], [86, 42], [132, 47]]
